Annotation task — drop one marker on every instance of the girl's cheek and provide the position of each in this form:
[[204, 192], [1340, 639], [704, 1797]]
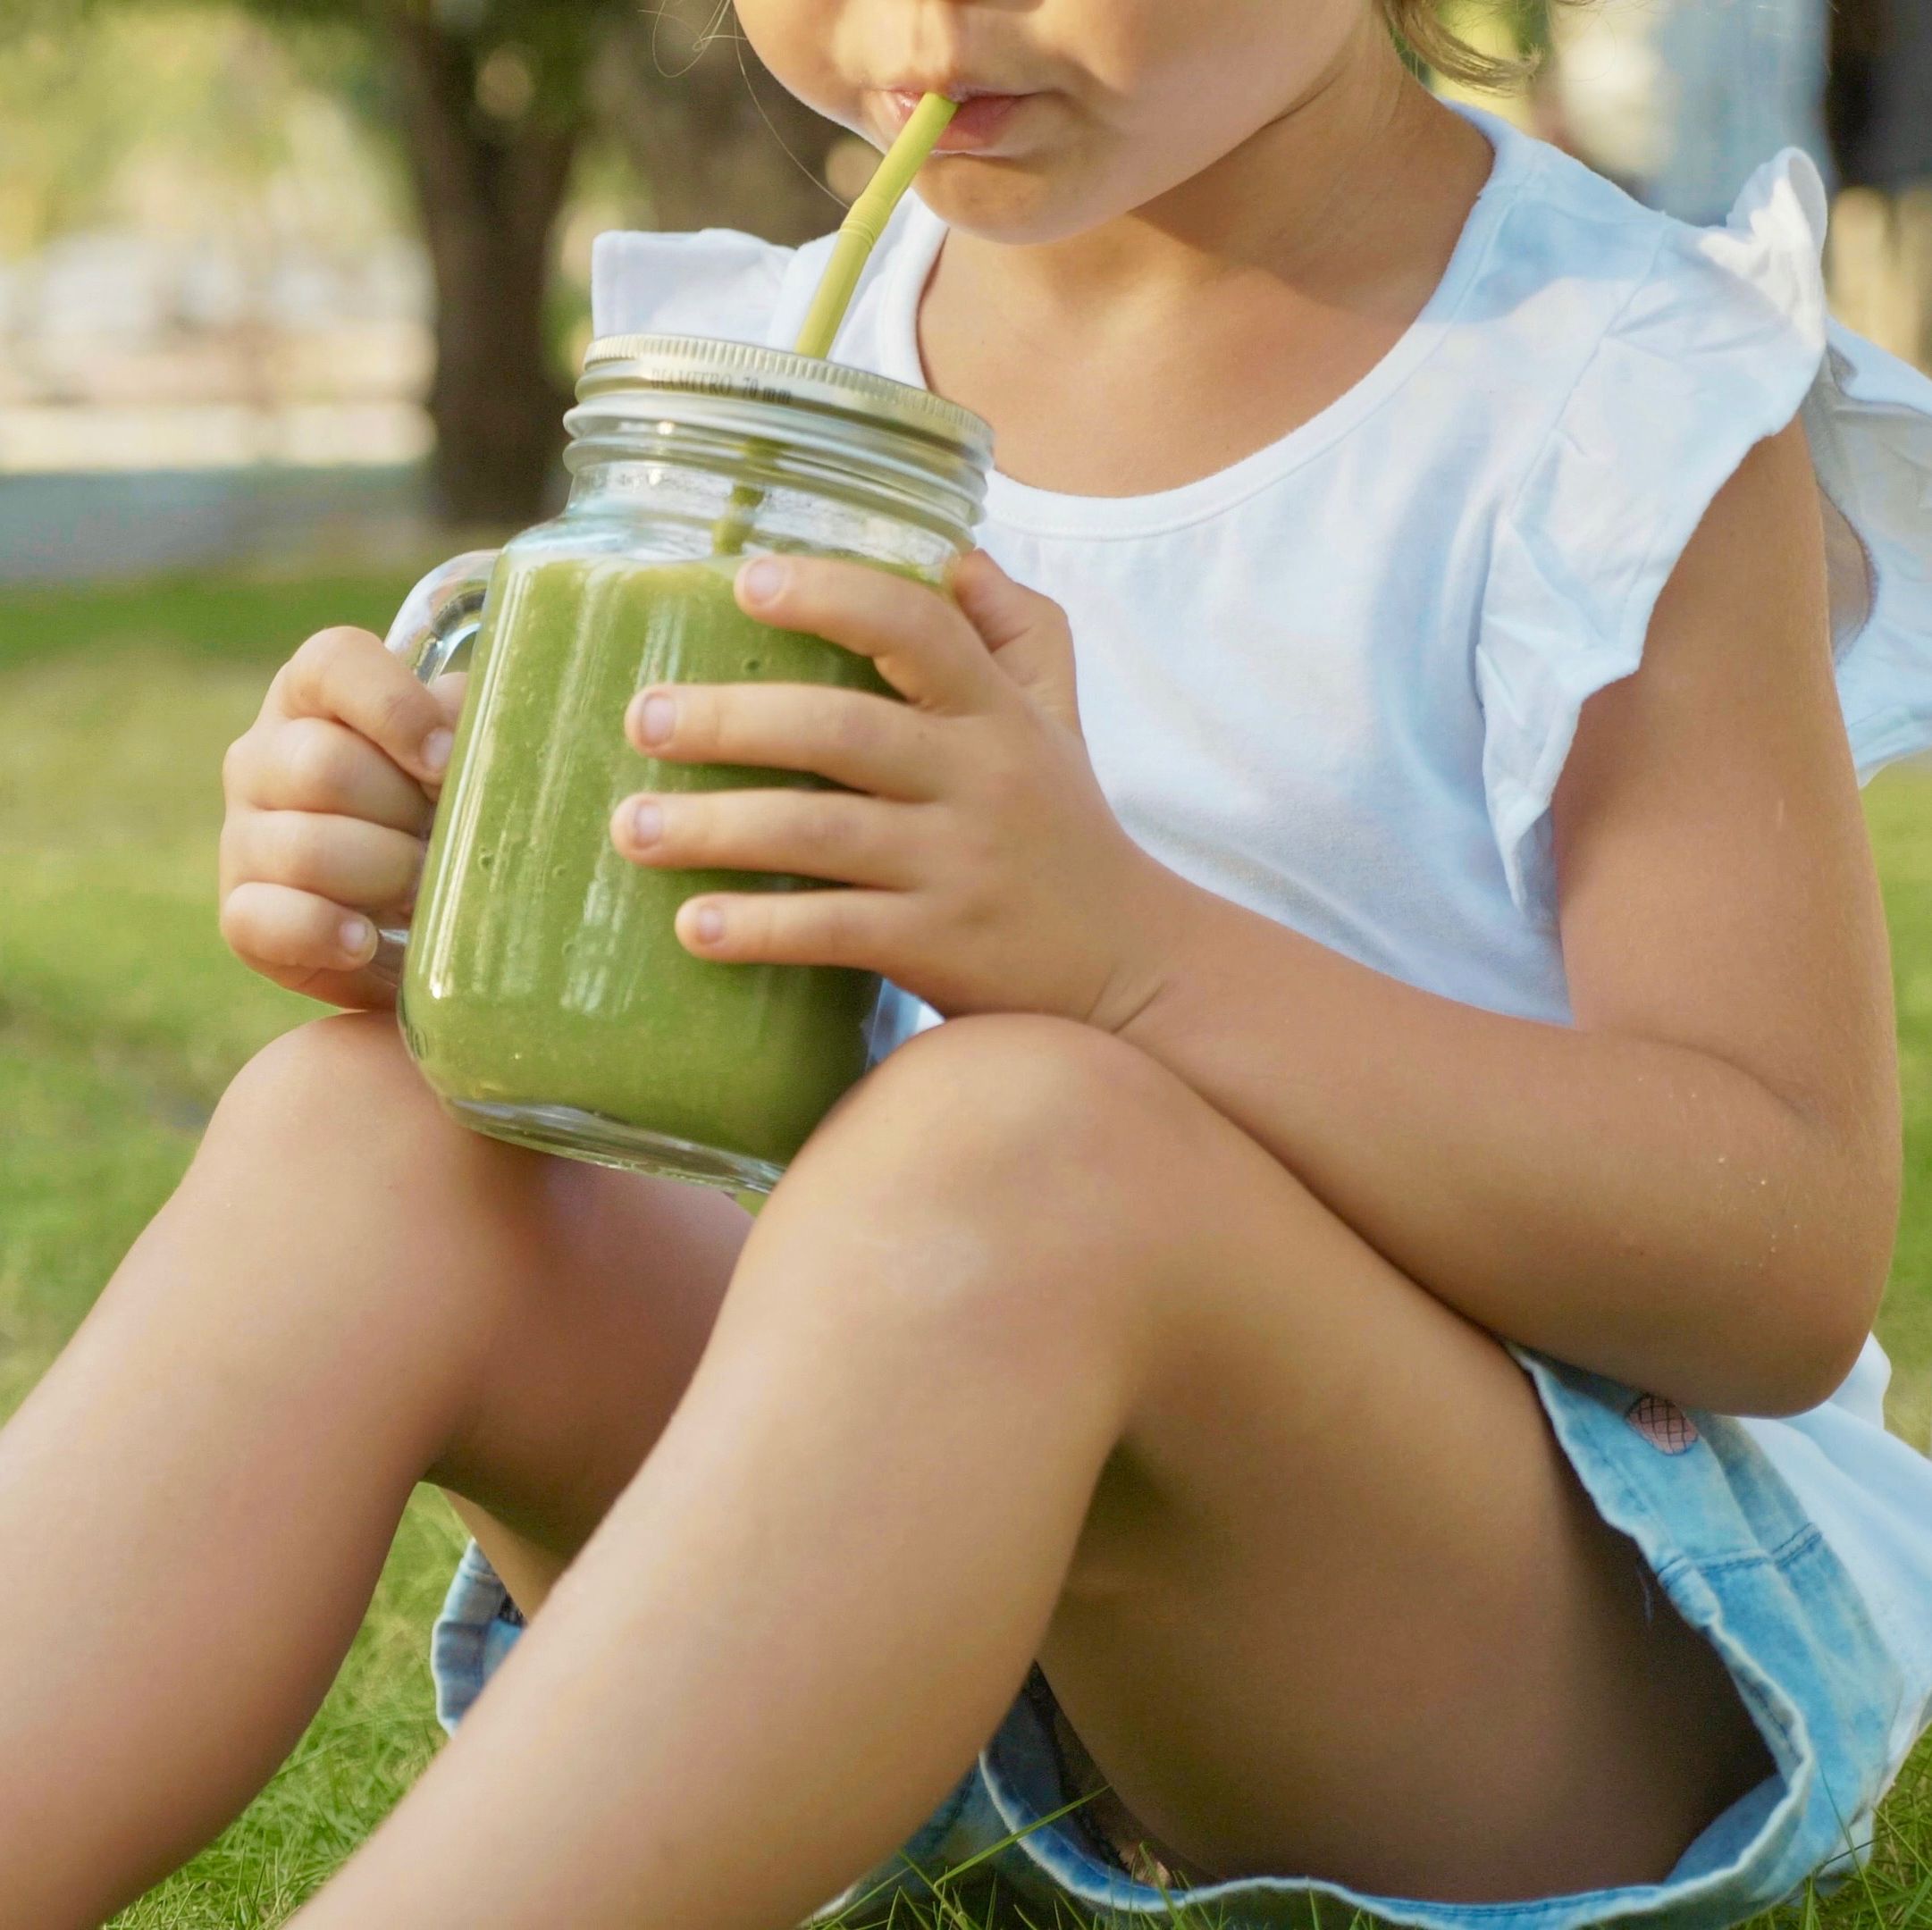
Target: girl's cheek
[[797, 40]]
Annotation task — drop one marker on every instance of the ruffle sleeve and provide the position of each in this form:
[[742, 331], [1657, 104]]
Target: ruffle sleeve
[[1721, 345], [712, 281]]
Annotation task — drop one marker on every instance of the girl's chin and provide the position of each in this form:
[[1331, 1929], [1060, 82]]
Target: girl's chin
[[1022, 201]]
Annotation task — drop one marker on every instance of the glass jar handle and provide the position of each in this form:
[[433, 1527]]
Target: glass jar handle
[[438, 618]]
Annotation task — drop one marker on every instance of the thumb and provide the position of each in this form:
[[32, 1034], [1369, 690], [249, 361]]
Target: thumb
[[448, 691], [1028, 634]]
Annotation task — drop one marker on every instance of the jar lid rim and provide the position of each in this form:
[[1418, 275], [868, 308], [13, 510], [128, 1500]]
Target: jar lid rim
[[716, 365]]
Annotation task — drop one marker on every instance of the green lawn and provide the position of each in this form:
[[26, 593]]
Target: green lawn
[[121, 1016]]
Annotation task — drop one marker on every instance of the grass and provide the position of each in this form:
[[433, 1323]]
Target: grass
[[121, 1018]]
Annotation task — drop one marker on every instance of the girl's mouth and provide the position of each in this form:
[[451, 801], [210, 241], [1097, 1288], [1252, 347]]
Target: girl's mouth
[[982, 119]]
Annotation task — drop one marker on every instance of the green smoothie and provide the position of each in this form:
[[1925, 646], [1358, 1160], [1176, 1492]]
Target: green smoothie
[[543, 981]]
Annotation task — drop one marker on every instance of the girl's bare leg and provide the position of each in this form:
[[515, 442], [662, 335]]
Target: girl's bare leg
[[1032, 1352], [195, 1501]]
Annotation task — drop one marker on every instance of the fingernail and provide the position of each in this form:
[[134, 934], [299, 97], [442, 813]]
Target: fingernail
[[357, 936], [762, 579], [647, 823], [709, 925], [436, 749], [655, 720]]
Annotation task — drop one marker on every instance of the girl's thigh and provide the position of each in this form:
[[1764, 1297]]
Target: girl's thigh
[[588, 1365], [544, 1313], [1342, 1607], [587, 1294]]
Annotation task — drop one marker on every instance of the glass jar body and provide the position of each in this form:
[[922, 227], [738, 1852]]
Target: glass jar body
[[544, 994]]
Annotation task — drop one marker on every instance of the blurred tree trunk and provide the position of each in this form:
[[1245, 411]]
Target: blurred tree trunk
[[496, 98], [1879, 103], [491, 168], [716, 141], [1858, 34]]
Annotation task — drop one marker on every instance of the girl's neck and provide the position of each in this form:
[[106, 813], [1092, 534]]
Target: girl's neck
[[1247, 300]]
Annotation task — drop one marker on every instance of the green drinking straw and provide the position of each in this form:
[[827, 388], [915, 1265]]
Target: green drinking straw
[[857, 235], [865, 221]]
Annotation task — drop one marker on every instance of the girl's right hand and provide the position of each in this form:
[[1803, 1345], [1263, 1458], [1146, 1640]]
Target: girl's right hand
[[330, 795]]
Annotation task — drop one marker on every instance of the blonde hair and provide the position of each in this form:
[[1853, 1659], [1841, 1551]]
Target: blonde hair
[[1419, 27]]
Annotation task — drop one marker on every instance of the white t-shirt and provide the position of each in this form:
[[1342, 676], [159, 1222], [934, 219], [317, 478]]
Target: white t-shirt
[[1337, 681]]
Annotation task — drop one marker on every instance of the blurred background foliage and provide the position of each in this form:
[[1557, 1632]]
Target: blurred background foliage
[[459, 135], [361, 227]]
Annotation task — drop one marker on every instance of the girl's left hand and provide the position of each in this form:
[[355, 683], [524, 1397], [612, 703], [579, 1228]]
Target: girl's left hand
[[983, 869]]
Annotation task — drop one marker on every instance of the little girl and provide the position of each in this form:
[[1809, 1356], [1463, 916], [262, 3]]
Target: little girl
[[1346, 1357]]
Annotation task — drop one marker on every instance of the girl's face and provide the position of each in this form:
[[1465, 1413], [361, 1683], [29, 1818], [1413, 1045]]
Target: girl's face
[[1121, 99]]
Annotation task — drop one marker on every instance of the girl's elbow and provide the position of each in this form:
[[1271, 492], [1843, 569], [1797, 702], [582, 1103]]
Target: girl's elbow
[[1808, 1380], [1854, 1182], [1835, 1306]]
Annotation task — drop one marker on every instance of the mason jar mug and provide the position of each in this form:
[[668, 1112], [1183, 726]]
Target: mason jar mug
[[542, 991]]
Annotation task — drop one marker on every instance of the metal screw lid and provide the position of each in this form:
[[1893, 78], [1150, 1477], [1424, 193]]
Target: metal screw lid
[[706, 365]]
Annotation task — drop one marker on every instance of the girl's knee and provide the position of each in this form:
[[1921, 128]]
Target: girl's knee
[[343, 1064], [1024, 1099], [1023, 1163], [339, 1087]]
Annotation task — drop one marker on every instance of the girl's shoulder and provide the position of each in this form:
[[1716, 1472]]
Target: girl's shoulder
[[1644, 358], [724, 283], [709, 281], [1592, 299]]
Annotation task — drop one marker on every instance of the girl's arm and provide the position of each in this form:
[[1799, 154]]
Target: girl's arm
[[1695, 1189]]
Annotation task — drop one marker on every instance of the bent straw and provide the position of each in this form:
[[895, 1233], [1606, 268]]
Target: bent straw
[[857, 235], [865, 221]]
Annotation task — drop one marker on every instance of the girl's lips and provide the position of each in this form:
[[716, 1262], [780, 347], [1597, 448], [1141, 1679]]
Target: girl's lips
[[977, 124]]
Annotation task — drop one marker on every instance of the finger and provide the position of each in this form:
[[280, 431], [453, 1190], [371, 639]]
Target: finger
[[922, 644], [834, 835], [348, 676], [274, 925], [1000, 610], [864, 929], [365, 866], [862, 741], [450, 689], [1026, 632], [315, 764]]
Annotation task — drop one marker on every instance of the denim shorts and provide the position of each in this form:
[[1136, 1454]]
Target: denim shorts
[[1728, 1542]]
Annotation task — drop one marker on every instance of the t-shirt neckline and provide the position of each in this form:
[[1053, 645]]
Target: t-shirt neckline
[[1021, 506]]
